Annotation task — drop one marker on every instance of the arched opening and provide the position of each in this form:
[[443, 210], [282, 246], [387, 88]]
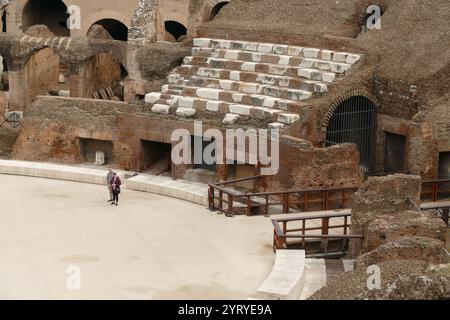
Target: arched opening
[[4, 86], [106, 78], [355, 121], [4, 21], [175, 30], [215, 11], [115, 28], [42, 74], [4, 80], [52, 13]]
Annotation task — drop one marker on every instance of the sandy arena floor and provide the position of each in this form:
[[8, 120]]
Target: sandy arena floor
[[150, 247]]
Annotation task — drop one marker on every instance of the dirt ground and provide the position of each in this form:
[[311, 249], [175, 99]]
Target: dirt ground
[[149, 247]]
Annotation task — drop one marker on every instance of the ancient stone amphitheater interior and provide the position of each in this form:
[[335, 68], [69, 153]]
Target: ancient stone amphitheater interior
[[326, 123]]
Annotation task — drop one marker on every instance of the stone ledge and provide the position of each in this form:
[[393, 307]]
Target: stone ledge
[[190, 191], [286, 281], [55, 171]]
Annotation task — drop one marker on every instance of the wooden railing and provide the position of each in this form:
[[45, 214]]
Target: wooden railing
[[285, 237], [301, 200], [435, 190], [225, 196], [306, 200]]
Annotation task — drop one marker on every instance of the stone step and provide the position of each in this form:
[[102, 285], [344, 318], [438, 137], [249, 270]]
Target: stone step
[[222, 107], [246, 56], [278, 49], [165, 109], [251, 95], [234, 97], [265, 66], [282, 82], [215, 71], [185, 106]]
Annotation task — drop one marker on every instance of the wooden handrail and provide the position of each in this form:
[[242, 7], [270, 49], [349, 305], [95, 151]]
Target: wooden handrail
[[322, 236], [316, 217], [282, 234], [235, 181], [307, 199], [257, 194], [436, 181]]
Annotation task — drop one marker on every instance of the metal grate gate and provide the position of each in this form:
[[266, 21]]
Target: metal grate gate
[[355, 121]]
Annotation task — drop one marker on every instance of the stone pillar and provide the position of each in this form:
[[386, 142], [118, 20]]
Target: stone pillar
[[14, 17], [222, 172], [179, 171], [17, 90], [78, 80]]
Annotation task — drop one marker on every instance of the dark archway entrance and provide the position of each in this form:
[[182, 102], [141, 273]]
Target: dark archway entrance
[[355, 121], [115, 28], [175, 28], [4, 21], [215, 11], [52, 13]]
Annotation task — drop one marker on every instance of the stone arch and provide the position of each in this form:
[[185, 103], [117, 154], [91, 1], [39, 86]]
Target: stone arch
[[353, 119], [338, 101], [40, 75], [103, 15], [115, 28], [4, 76], [51, 13], [175, 29], [216, 9], [104, 77]]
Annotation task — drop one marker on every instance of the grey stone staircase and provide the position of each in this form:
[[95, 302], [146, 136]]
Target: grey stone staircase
[[249, 80]]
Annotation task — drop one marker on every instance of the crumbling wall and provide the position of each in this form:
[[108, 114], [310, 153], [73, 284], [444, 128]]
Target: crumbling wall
[[428, 136], [400, 280], [380, 196], [103, 71], [150, 66], [41, 74], [157, 60], [52, 128], [8, 137], [405, 248], [143, 23], [302, 166], [393, 227], [401, 244], [430, 284], [381, 214]]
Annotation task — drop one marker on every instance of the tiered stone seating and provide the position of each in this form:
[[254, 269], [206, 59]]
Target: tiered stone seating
[[240, 79]]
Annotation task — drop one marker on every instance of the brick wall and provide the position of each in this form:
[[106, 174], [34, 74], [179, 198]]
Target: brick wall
[[53, 128], [428, 136], [101, 72], [41, 74], [303, 166]]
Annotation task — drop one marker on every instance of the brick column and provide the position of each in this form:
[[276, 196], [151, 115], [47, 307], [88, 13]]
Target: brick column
[[78, 80], [222, 172], [17, 90], [14, 18]]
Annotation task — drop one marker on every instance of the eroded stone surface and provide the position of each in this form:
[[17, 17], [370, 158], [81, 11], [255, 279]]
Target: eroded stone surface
[[406, 248]]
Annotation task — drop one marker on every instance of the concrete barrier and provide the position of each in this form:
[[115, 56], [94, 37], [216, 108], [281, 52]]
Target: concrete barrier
[[55, 171], [190, 191], [287, 278]]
